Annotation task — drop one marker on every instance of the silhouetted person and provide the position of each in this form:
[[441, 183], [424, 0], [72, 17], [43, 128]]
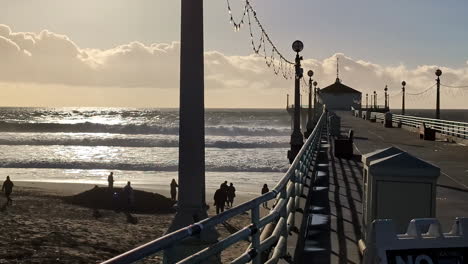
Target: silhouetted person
[[220, 197], [174, 186], [7, 187], [110, 180], [128, 193], [265, 190], [224, 187], [231, 193]]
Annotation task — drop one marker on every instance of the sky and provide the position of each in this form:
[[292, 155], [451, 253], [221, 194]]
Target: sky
[[126, 53]]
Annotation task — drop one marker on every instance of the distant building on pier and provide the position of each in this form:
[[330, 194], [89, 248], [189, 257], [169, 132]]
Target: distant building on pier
[[340, 97]]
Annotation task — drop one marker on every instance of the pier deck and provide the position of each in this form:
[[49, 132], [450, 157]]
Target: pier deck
[[335, 211], [452, 158]]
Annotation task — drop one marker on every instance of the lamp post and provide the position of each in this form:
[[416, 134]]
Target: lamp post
[[388, 102], [375, 100], [296, 136], [287, 101], [385, 94], [315, 99], [438, 73], [367, 101], [191, 205], [310, 73], [403, 83]]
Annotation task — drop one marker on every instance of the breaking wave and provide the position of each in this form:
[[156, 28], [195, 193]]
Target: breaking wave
[[89, 127], [135, 167]]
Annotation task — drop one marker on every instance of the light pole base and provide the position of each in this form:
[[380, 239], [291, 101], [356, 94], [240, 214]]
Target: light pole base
[[185, 217], [310, 128], [296, 145]]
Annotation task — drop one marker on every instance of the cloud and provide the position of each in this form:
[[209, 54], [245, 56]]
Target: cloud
[[48, 58]]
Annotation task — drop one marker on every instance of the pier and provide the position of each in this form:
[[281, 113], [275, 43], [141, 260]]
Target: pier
[[319, 202], [364, 185]]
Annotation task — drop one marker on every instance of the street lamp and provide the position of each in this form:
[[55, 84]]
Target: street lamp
[[403, 83], [375, 100], [438, 73], [296, 136], [367, 102], [310, 73], [385, 94]]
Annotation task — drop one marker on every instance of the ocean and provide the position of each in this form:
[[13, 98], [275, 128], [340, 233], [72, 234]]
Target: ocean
[[82, 145]]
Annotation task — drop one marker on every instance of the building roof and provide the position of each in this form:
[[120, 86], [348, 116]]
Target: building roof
[[338, 87]]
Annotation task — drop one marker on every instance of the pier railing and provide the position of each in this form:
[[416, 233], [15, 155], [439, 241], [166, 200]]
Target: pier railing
[[446, 127], [286, 195]]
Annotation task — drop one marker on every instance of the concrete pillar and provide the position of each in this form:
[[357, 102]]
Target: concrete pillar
[[191, 206]]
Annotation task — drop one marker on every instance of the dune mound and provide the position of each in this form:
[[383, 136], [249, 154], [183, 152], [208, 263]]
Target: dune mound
[[103, 198]]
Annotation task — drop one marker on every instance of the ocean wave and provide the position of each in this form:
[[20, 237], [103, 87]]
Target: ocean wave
[[143, 143], [134, 167], [89, 127]]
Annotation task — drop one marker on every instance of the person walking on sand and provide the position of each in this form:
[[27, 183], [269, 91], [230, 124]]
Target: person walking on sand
[[220, 199], [7, 187], [231, 193], [110, 180], [265, 190], [224, 187], [174, 186], [128, 192]]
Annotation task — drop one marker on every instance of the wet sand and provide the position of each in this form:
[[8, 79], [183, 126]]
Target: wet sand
[[41, 228]]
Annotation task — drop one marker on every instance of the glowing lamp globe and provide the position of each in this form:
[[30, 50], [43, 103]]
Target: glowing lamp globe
[[297, 46]]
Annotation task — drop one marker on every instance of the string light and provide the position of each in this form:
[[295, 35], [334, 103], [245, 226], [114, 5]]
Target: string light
[[284, 66], [423, 92], [456, 87]]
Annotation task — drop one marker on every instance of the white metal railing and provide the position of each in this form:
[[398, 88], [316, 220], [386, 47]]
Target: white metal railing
[[286, 194], [446, 127]]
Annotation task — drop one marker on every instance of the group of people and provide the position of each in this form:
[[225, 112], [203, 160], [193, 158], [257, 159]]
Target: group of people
[[224, 196], [127, 191]]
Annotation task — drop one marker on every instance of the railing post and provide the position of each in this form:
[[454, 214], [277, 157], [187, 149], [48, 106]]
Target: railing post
[[256, 235], [284, 215]]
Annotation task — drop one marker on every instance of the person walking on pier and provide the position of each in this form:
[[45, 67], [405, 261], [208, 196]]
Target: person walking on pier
[[174, 186], [110, 180], [7, 187], [220, 197], [231, 193], [265, 190]]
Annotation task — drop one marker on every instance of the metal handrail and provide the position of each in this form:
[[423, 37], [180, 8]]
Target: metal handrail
[[446, 127], [286, 193]]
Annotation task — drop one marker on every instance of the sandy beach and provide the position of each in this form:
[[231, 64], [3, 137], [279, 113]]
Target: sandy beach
[[41, 228]]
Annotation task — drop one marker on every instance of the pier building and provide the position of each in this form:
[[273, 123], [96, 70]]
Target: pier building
[[339, 96]]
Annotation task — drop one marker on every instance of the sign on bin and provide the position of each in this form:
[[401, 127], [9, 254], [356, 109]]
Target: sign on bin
[[428, 256]]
